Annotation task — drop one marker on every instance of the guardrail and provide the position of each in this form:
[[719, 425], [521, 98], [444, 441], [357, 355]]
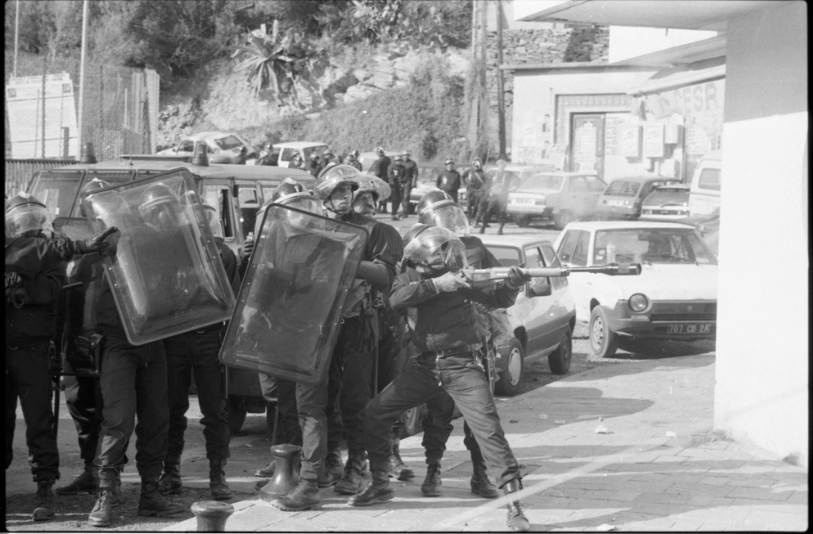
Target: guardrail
[[19, 172]]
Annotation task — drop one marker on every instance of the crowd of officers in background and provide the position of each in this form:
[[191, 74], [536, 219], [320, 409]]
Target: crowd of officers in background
[[151, 381]]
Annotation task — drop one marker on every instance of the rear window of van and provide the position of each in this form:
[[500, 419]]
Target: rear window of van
[[709, 179]]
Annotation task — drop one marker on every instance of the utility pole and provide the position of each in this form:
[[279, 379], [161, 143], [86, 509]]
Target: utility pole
[[500, 82], [16, 35], [82, 72]]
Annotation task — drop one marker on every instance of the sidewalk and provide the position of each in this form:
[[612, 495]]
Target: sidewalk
[[659, 466]]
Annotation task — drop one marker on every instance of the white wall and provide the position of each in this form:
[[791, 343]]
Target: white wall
[[628, 42], [761, 395]]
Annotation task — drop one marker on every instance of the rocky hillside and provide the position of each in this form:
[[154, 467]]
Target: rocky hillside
[[219, 98]]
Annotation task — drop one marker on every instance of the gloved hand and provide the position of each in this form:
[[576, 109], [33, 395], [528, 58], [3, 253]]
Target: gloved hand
[[248, 246], [96, 243], [449, 282], [517, 278]]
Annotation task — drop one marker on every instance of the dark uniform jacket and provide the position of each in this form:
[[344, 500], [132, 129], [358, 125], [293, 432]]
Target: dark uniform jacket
[[384, 246], [448, 181], [410, 173], [35, 320], [33, 254], [445, 320], [381, 167]]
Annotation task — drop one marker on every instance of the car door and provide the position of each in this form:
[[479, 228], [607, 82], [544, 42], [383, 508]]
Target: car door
[[573, 251], [563, 305], [536, 311], [219, 195], [285, 157], [249, 200]]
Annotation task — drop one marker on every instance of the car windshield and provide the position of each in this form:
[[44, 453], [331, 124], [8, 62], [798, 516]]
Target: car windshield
[[651, 245], [229, 142], [622, 188], [668, 196], [547, 182]]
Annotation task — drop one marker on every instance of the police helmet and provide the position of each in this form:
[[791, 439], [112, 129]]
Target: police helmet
[[334, 176], [292, 193], [435, 249], [90, 187], [26, 215], [368, 183], [158, 207], [436, 208], [476, 164]]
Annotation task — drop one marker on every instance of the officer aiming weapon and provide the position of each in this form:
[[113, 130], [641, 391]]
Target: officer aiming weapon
[[479, 277]]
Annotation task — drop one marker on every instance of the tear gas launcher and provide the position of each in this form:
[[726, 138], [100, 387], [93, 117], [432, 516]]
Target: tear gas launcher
[[483, 276]]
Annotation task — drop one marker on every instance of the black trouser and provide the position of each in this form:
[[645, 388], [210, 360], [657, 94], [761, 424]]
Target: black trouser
[[28, 377], [465, 380], [437, 426], [287, 421], [497, 206], [473, 203], [395, 198], [134, 383], [196, 352], [406, 191], [83, 396]]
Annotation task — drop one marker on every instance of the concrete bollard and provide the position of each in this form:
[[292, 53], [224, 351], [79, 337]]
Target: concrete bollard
[[286, 475], [212, 515]]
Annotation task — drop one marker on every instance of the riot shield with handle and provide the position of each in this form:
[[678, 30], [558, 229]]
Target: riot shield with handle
[[290, 305], [164, 272]]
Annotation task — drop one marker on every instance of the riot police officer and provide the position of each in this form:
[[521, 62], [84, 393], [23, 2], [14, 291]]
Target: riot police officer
[[475, 180], [31, 298], [436, 208], [353, 355], [197, 352], [443, 333]]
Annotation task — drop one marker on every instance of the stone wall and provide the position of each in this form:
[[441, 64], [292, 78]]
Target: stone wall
[[571, 44]]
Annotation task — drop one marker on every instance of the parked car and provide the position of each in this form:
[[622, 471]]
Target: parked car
[[623, 198], [283, 152], [704, 193], [708, 226], [542, 318], [555, 195], [222, 146], [666, 203], [674, 297]]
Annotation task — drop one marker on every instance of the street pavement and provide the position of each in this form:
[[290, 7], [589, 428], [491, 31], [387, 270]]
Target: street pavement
[[626, 446]]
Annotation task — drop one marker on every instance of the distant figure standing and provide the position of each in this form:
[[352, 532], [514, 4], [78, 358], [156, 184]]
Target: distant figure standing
[[396, 178], [475, 180], [502, 184], [314, 165], [381, 168], [408, 182], [240, 158], [353, 159], [449, 180]]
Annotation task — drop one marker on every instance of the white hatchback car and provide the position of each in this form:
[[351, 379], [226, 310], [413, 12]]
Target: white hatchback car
[[542, 324], [675, 296], [222, 146]]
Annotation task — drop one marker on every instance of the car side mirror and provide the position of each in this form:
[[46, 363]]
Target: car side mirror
[[540, 289]]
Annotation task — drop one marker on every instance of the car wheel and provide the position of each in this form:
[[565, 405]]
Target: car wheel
[[509, 368], [559, 360], [603, 341], [523, 220], [561, 219], [237, 413]]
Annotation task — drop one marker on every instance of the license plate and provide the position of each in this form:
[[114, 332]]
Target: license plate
[[688, 329], [523, 201], [615, 202]]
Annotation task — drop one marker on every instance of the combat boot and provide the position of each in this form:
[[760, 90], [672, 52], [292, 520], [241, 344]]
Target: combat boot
[[333, 470], [378, 490], [87, 482], [45, 500], [481, 485], [100, 515], [217, 480], [152, 504], [305, 496], [432, 482], [170, 482], [350, 484], [267, 471], [400, 469], [516, 518]]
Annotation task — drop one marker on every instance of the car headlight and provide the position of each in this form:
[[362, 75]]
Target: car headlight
[[638, 302]]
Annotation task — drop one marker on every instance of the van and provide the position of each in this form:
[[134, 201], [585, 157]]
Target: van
[[237, 192], [704, 191], [283, 152]]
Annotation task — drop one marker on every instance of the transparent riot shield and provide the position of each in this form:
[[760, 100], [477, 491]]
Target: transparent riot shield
[[289, 308], [84, 280], [164, 272]]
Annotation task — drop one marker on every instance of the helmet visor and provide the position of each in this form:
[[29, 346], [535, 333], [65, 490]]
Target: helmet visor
[[451, 217], [437, 247], [27, 218]]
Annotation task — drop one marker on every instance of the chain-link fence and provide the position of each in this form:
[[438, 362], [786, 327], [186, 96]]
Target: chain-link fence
[[119, 111], [20, 171]]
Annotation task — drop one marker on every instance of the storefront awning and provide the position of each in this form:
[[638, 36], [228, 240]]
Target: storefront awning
[[673, 78]]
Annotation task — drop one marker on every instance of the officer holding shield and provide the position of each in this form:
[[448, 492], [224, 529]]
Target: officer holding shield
[[352, 359]]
